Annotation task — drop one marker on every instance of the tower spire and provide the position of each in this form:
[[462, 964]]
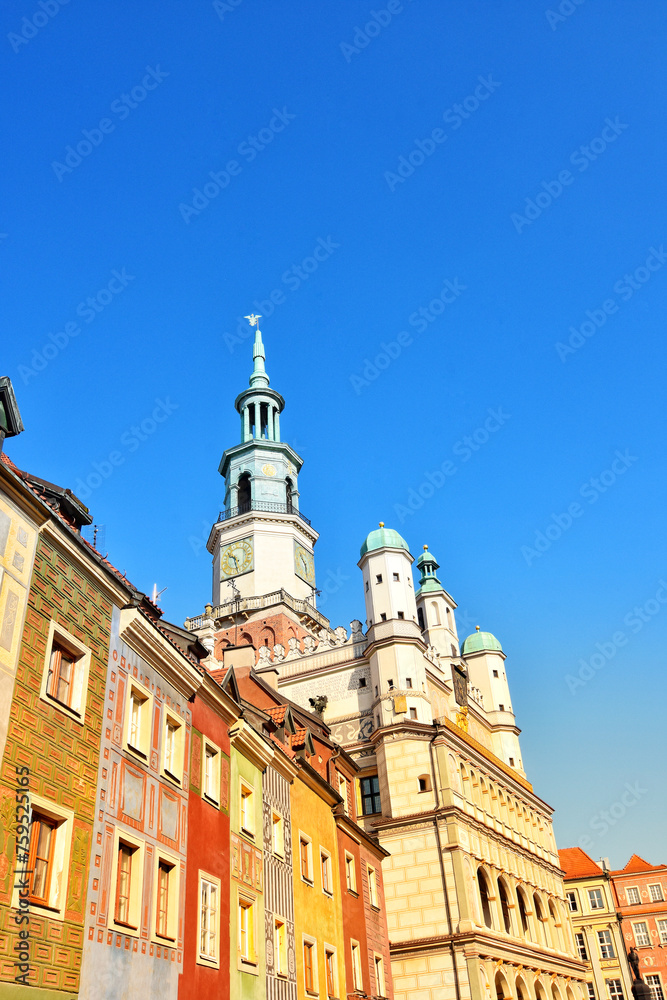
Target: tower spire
[[259, 379]]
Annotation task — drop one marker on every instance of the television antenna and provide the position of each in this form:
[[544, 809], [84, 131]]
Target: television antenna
[[155, 596], [95, 535]]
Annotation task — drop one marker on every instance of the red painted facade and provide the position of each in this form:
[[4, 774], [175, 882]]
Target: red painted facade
[[641, 896]]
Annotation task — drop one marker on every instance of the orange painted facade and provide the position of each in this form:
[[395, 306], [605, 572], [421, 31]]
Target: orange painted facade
[[641, 895]]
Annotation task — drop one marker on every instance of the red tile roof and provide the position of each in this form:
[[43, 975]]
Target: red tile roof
[[298, 739], [277, 714], [577, 864], [636, 865]]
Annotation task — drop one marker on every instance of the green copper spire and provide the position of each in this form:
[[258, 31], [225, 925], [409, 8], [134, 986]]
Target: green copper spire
[[428, 564], [259, 379]]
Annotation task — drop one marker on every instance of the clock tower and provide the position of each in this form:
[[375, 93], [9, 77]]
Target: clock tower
[[261, 543]]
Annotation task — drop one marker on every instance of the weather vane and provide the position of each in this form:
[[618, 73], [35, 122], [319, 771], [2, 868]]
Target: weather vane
[[252, 319]]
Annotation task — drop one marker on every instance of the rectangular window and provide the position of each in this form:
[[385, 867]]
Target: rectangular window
[[655, 986], [378, 578], [379, 976], [65, 674], [280, 947], [325, 867], [247, 806], [581, 947], [211, 782], [306, 856], [656, 893], [662, 930], [383, 617], [591, 991], [308, 969], [572, 901], [329, 960], [642, 937], [350, 873], [278, 834], [413, 713], [595, 897], [166, 903], [615, 989], [209, 931], [408, 682], [632, 893], [356, 966], [173, 748], [246, 930], [138, 720], [396, 577], [373, 889], [370, 795], [123, 906], [342, 790], [401, 614], [42, 844], [606, 946]]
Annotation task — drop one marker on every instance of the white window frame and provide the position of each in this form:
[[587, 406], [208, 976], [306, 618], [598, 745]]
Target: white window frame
[[591, 991], [246, 808], [357, 977], [247, 903], [607, 943], [618, 990], [657, 992], [594, 894], [662, 930], [80, 672], [280, 945], [342, 790], [580, 941], [380, 980], [278, 834], [308, 877], [173, 898], [373, 888], [350, 869], [176, 751], [329, 949], [326, 869], [213, 752], [634, 889], [142, 750], [136, 882], [660, 896], [306, 939], [212, 961], [643, 936], [54, 908], [572, 897]]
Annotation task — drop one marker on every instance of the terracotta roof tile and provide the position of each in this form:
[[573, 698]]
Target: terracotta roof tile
[[636, 865], [577, 864], [298, 739], [277, 714]]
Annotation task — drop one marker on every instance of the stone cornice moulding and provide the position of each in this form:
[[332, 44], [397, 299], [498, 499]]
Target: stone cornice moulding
[[242, 520], [250, 744], [145, 639], [213, 696]]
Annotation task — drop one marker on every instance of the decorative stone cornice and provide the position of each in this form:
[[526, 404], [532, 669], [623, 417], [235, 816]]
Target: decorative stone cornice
[[250, 744], [145, 639]]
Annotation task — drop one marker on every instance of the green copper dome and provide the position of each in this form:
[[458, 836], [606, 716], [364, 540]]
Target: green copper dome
[[383, 538], [480, 642], [427, 564]]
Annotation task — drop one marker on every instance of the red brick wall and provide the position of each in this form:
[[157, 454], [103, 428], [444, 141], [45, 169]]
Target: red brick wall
[[276, 629], [63, 759]]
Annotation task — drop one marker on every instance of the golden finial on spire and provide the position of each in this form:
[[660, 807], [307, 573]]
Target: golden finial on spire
[[426, 548], [381, 524], [477, 627]]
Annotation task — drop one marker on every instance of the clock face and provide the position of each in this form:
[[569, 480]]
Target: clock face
[[304, 564], [268, 470], [236, 558]]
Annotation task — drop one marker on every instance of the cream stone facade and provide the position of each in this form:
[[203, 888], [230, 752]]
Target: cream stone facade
[[474, 891]]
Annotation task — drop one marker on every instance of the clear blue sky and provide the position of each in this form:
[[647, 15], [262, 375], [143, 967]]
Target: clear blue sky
[[534, 199]]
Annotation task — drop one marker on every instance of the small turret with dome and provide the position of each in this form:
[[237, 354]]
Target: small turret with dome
[[386, 565], [435, 607]]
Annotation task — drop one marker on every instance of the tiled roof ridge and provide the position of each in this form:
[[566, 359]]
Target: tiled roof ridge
[[635, 865], [576, 863]]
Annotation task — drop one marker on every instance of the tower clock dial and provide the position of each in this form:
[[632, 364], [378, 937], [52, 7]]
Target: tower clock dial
[[236, 558], [304, 564]]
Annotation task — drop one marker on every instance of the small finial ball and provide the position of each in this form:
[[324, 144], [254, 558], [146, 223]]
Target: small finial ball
[[381, 524], [426, 548], [477, 627]]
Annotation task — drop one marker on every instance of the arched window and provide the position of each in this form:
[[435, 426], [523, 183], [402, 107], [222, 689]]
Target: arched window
[[435, 613], [556, 927], [424, 781], [503, 991], [539, 917], [245, 493], [484, 897], [449, 618], [523, 913], [420, 618], [504, 906], [521, 990]]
